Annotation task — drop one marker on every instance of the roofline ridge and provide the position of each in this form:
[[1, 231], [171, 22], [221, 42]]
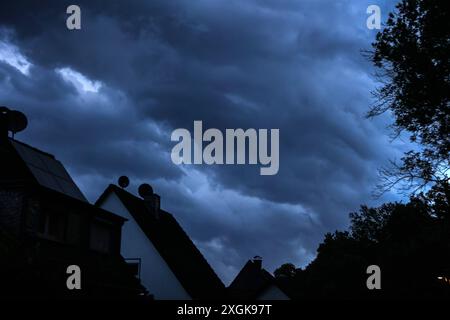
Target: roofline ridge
[[114, 188], [33, 148]]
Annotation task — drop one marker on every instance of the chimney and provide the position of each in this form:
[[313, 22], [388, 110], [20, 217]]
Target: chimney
[[151, 200], [156, 201], [257, 262]]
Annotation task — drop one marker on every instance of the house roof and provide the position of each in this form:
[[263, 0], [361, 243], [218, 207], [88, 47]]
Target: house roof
[[174, 245], [251, 281], [86, 208], [45, 274], [46, 170], [47, 175]]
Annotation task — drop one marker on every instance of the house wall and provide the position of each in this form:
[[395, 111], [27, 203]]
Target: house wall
[[273, 293], [156, 275], [11, 204]]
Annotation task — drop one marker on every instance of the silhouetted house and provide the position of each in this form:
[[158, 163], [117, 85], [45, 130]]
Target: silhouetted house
[[253, 282], [171, 266], [46, 225]]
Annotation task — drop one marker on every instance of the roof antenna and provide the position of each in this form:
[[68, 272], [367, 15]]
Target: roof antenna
[[123, 182]]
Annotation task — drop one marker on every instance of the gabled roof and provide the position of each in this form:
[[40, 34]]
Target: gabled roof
[[46, 171], [47, 176], [174, 245], [251, 281]]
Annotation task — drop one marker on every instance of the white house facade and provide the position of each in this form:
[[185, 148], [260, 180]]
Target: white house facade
[[169, 264], [156, 276]]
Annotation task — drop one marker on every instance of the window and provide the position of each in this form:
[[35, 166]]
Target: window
[[101, 237], [134, 266], [51, 225], [73, 233]]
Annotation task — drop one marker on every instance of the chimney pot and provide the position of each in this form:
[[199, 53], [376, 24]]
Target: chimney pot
[[257, 261]]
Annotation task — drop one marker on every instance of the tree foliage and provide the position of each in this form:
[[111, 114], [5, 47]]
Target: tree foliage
[[409, 242], [412, 55]]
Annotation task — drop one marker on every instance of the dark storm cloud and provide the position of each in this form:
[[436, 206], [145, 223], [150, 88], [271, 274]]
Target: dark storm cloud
[[293, 65]]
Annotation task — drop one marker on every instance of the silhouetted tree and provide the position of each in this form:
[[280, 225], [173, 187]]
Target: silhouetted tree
[[287, 270], [409, 242], [412, 56]]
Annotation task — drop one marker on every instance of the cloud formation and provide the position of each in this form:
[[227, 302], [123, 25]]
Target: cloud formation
[[106, 98]]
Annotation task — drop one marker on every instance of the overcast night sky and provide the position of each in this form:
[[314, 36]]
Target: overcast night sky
[[105, 99]]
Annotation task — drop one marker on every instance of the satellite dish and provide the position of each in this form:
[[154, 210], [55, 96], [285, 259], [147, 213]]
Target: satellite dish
[[4, 110], [145, 190], [17, 121], [123, 182]]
